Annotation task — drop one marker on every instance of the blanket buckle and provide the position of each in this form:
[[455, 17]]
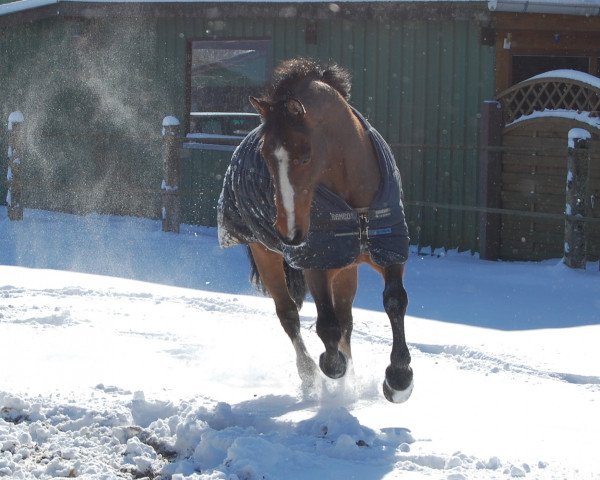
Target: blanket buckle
[[363, 227]]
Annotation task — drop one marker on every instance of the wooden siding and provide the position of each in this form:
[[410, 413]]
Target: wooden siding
[[419, 77], [419, 82], [536, 34], [92, 115], [201, 180], [534, 172]]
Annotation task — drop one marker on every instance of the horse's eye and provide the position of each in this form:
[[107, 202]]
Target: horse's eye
[[304, 160]]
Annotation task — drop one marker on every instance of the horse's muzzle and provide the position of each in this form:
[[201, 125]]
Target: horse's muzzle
[[293, 239]]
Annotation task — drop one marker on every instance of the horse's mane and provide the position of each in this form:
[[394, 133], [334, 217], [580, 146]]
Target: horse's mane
[[290, 72]]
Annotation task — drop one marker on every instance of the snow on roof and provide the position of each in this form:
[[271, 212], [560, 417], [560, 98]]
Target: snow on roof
[[583, 117], [577, 7], [591, 80], [14, 7]]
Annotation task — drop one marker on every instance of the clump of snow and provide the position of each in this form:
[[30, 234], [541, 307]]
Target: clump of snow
[[144, 413], [15, 117], [570, 176], [568, 209], [517, 472], [578, 134], [168, 188], [169, 122]]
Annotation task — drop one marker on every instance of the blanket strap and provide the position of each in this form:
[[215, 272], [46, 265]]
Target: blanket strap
[[363, 227]]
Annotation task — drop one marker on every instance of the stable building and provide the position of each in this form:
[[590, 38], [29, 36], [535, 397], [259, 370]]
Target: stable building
[[95, 79]]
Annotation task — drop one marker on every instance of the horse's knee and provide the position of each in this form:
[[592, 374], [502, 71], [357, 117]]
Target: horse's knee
[[395, 299], [290, 321]]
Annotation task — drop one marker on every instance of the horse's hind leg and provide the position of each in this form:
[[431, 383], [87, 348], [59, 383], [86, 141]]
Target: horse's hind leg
[[333, 363], [271, 270], [398, 383]]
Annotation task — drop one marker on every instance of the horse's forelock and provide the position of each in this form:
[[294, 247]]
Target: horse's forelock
[[289, 73]]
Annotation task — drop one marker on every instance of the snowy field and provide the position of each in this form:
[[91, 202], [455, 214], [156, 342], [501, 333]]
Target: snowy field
[[126, 352]]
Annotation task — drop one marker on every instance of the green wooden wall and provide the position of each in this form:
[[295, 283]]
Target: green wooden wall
[[93, 108], [202, 175], [419, 81]]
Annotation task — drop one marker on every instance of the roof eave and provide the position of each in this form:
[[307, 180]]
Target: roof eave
[[546, 6]]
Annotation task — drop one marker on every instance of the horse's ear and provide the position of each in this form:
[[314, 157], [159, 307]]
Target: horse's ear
[[261, 106], [295, 107]]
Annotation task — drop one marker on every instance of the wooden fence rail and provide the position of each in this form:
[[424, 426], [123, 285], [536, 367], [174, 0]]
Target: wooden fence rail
[[177, 195]]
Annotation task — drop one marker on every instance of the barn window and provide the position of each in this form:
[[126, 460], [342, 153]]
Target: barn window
[[223, 73], [526, 66]]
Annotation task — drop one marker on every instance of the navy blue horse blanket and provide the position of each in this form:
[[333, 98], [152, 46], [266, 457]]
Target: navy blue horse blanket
[[338, 233]]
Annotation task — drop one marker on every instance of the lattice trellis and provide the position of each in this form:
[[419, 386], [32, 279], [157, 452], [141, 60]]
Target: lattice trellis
[[550, 93]]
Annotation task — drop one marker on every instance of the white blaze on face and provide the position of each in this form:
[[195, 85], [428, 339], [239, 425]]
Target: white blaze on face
[[285, 187]]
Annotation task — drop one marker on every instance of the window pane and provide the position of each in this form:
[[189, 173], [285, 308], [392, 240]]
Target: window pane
[[527, 66], [224, 73]]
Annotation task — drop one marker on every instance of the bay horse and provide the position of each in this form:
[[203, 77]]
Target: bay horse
[[313, 192]]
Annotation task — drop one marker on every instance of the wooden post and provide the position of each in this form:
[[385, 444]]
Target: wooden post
[[14, 196], [490, 179], [577, 173], [171, 175]]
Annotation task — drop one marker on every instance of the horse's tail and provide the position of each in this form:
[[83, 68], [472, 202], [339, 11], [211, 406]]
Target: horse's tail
[[294, 279]]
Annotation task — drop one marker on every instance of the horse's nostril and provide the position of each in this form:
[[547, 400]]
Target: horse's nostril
[[294, 237], [297, 237]]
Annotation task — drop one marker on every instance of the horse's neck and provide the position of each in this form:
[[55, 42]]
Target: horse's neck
[[354, 174]]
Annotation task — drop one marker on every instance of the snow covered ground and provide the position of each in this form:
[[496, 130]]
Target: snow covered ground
[[126, 352]]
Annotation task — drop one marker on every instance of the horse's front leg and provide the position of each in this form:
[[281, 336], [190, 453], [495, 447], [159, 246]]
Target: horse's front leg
[[272, 275], [333, 363], [398, 383]]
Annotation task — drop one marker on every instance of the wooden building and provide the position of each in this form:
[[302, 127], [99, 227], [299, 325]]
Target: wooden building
[[95, 79], [563, 37]]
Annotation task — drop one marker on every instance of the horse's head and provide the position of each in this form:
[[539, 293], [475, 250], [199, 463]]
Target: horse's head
[[297, 121], [289, 149]]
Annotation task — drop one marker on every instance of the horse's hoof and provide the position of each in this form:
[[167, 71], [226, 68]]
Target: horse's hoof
[[398, 384], [334, 366]]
